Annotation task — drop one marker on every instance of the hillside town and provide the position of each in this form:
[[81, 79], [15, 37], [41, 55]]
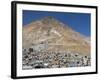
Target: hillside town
[[49, 43], [33, 59]]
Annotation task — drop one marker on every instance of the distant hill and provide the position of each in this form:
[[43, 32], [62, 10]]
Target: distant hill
[[56, 35]]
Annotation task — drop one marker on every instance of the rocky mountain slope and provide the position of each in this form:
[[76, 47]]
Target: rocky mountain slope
[[49, 34]]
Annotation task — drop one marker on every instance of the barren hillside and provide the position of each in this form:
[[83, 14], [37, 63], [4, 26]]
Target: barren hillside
[[55, 35]]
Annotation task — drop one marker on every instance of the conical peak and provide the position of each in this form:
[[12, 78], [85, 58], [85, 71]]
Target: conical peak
[[49, 19]]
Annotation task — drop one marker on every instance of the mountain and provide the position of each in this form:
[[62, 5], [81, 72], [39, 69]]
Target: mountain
[[50, 34]]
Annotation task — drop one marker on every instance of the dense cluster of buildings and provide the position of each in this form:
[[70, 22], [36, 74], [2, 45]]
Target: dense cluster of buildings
[[54, 59]]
